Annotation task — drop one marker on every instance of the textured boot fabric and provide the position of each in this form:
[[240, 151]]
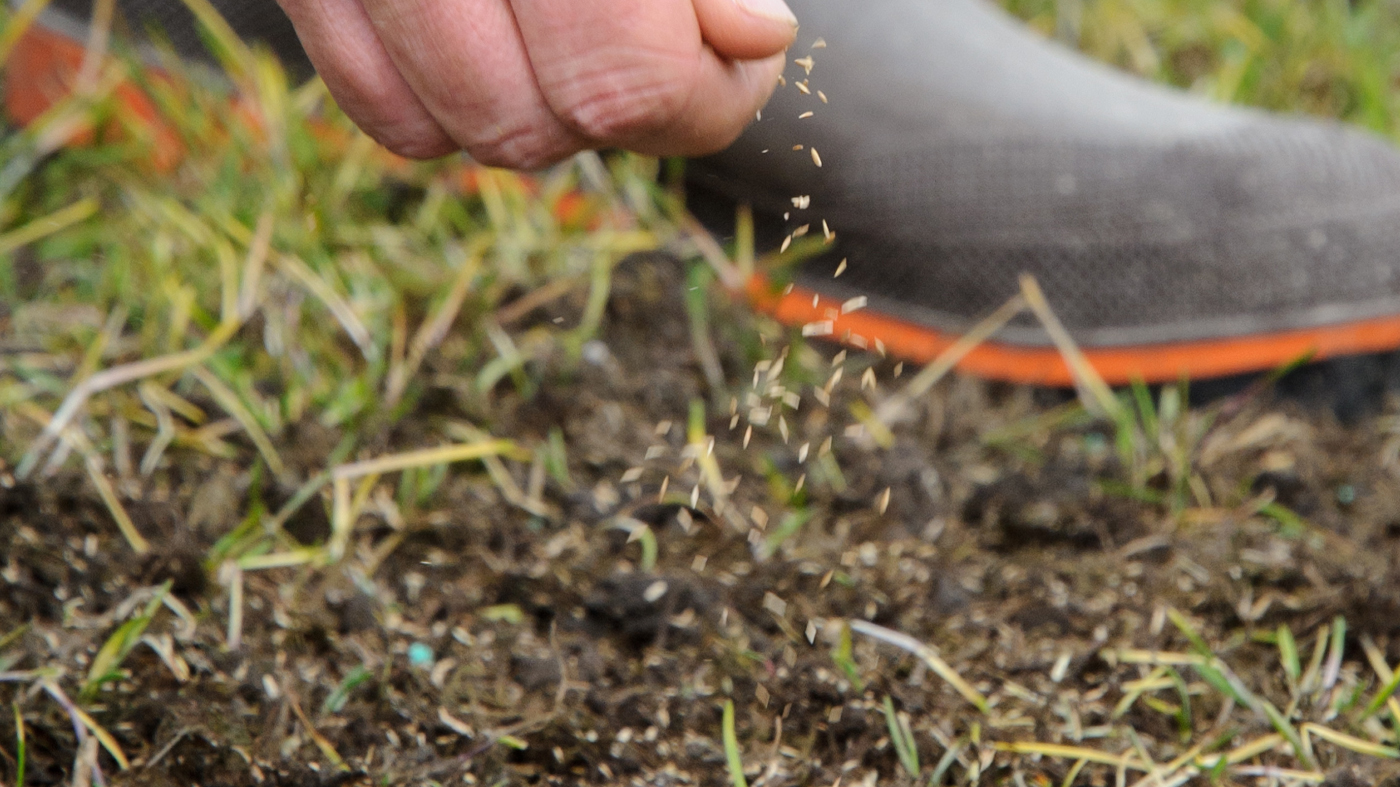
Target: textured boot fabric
[[960, 149]]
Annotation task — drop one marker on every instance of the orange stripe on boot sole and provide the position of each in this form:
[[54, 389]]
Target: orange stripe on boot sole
[[1155, 363]]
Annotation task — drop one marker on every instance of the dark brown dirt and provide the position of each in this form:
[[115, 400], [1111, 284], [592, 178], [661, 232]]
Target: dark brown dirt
[[497, 646]]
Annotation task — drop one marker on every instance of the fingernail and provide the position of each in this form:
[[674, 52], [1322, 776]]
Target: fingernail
[[769, 9]]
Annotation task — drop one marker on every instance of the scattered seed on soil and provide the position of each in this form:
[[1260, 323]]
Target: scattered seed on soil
[[805, 115], [883, 501], [774, 604], [816, 159], [655, 591]]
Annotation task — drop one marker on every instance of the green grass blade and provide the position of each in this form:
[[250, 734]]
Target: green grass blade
[[732, 755], [21, 747], [902, 739], [1288, 654]]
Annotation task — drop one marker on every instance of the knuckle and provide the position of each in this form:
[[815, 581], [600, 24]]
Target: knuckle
[[418, 147], [415, 140], [618, 104], [517, 147]]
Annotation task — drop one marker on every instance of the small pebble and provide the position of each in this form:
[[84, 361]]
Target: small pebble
[[420, 655]]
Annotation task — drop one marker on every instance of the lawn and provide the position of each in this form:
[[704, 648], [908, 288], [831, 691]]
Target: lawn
[[322, 467]]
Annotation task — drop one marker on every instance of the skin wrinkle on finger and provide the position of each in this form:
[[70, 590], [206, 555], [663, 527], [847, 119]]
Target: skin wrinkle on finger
[[339, 39], [703, 131], [466, 62], [624, 93], [637, 74], [719, 106]]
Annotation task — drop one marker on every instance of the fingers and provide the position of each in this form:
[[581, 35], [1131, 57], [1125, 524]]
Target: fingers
[[524, 83], [467, 64], [639, 74], [746, 29], [724, 99], [342, 43]]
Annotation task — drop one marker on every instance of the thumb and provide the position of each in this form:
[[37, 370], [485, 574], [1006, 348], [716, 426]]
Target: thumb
[[746, 29]]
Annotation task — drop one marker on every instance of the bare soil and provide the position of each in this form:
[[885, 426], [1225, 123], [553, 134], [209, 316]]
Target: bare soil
[[476, 642]]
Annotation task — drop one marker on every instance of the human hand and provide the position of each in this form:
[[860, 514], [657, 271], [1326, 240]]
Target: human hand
[[524, 83]]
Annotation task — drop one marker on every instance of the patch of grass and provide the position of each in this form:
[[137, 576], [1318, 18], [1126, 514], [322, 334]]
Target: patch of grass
[[902, 738], [106, 665]]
